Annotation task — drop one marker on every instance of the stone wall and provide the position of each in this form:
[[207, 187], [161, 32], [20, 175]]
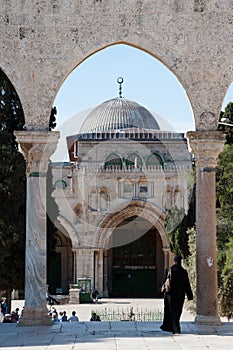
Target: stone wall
[[43, 41]]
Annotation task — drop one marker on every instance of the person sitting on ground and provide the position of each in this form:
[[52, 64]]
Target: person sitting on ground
[[15, 315], [64, 317], [60, 316], [73, 318], [54, 317], [95, 317], [7, 318]]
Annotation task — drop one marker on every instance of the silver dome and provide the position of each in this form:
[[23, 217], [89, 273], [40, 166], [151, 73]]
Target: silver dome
[[118, 114]]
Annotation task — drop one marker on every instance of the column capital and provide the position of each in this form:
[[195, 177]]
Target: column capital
[[37, 147], [206, 146]]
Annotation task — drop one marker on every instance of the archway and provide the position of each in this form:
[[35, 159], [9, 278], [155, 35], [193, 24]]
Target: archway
[[135, 269], [146, 80], [60, 272], [136, 247]]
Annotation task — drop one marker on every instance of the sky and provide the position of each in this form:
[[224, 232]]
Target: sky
[[146, 81]]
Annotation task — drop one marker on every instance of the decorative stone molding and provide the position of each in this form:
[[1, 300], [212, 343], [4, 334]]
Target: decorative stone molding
[[136, 207], [37, 147], [207, 121], [199, 5], [206, 146]]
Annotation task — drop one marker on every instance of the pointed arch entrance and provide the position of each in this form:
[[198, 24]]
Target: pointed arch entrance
[[135, 267], [136, 250]]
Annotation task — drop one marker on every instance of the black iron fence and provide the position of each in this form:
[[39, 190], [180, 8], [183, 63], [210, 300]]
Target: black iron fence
[[130, 314]]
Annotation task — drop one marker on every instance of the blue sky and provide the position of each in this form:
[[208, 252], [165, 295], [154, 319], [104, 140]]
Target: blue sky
[[146, 81]]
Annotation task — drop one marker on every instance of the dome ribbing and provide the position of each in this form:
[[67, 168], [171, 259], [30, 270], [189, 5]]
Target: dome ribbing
[[118, 114]]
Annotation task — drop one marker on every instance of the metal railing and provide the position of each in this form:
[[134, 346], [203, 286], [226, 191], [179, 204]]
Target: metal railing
[[129, 314]]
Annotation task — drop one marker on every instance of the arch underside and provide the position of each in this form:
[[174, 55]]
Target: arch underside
[[134, 208]]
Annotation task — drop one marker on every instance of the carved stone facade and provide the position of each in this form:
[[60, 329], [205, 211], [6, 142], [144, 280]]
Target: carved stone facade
[[43, 41], [106, 203], [125, 173]]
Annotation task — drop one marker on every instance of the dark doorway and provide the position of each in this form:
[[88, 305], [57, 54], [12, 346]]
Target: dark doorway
[[54, 273], [132, 266]]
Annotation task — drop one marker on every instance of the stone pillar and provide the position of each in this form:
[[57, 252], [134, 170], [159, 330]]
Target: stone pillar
[[166, 252], [74, 266], [37, 147], [105, 273], [99, 271], [206, 146], [85, 263]]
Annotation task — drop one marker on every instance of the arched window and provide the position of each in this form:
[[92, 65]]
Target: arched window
[[113, 161], [60, 185], [155, 159], [134, 161]]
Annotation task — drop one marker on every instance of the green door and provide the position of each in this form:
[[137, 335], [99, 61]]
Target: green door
[[127, 283], [134, 268]]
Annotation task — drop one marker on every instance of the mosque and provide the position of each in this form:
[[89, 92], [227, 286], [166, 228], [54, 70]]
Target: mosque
[[124, 172]]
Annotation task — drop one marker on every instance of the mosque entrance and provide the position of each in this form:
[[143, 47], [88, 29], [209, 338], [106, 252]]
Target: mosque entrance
[[135, 267]]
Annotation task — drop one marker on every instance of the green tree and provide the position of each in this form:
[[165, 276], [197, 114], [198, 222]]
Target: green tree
[[225, 121], [226, 278], [224, 206], [178, 222], [12, 190], [190, 265]]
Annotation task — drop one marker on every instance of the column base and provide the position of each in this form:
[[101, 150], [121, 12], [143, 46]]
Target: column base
[[35, 316], [208, 320]]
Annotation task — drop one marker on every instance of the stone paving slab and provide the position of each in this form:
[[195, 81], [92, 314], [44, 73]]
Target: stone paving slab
[[109, 335], [115, 336]]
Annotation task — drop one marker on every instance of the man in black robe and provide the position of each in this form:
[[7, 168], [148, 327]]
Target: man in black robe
[[174, 299]]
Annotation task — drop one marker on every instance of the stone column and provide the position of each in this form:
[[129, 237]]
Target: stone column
[[37, 147], [166, 252], [99, 271], [105, 273], [74, 266], [206, 146]]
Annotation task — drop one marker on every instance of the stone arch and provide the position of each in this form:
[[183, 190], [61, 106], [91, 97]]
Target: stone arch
[[226, 81], [60, 185], [155, 158], [134, 208], [68, 230], [131, 160], [159, 31], [159, 51], [60, 270], [113, 160]]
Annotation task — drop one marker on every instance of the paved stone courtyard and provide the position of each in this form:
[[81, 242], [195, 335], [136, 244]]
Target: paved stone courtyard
[[107, 335]]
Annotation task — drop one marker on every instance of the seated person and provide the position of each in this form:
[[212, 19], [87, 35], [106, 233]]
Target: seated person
[[95, 317]]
